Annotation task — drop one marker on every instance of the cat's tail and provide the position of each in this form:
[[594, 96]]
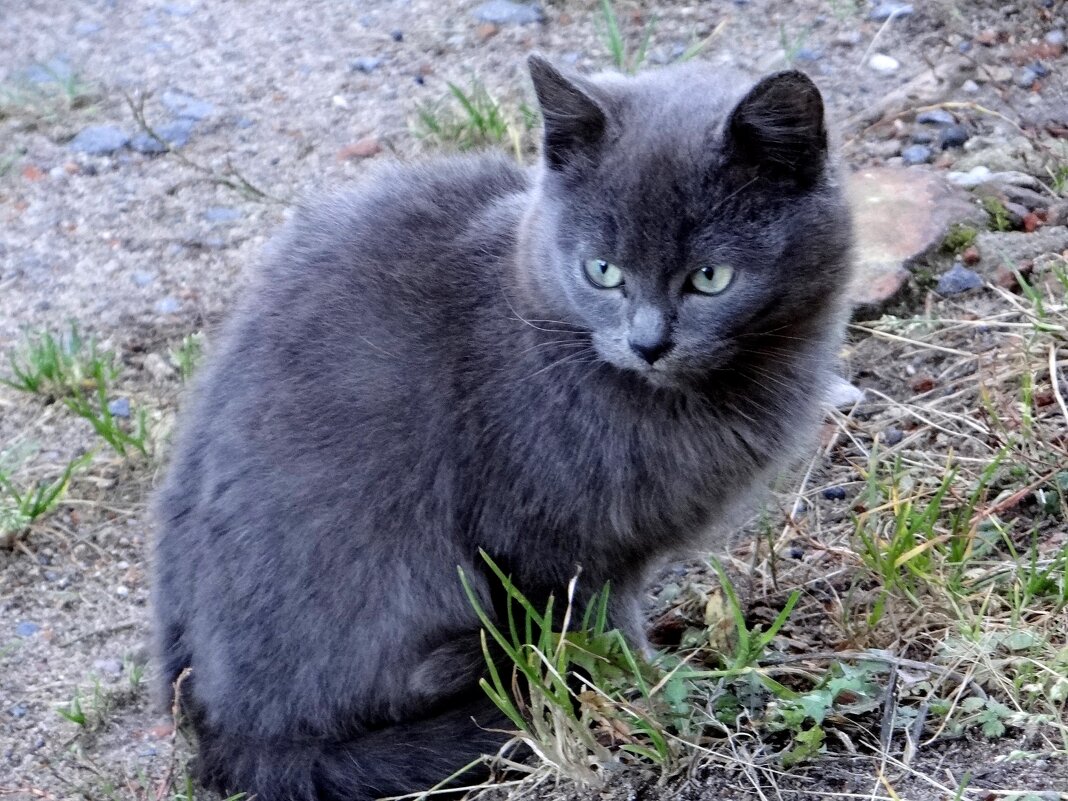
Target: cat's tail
[[397, 760]]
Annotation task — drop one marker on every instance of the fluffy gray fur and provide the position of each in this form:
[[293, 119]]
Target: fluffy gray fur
[[422, 369]]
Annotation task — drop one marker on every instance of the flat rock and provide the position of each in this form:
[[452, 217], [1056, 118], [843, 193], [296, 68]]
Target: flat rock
[[505, 12], [1007, 249], [186, 106], [900, 215], [99, 140], [979, 175]]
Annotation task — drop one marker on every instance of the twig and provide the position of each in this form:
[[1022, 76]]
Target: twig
[[1054, 379]]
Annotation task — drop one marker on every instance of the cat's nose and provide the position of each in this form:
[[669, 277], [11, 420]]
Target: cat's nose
[[651, 351]]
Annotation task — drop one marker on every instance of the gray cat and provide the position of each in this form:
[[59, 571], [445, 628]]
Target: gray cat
[[590, 362]]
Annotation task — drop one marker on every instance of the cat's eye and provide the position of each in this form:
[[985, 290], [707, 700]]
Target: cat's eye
[[603, 274], [713, 279]]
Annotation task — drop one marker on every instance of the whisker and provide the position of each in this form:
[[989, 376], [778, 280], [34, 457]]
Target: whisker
[[571, 358], [563, 343]]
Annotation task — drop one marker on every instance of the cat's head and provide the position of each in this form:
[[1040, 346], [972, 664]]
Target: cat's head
[[684, 214]]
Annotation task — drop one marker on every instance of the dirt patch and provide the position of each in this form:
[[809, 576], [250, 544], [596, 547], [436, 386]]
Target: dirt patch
[[277, 100]]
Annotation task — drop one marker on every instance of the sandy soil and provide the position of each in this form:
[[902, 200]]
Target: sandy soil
[[142, 250]]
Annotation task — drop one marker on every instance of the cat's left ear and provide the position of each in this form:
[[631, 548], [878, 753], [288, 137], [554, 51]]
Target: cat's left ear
[[779, 128]]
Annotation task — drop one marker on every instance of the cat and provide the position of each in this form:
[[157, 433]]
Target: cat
[[591, 362]]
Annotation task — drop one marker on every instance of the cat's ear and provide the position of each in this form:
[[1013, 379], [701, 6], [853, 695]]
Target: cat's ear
[[778, 127], [574, 120]]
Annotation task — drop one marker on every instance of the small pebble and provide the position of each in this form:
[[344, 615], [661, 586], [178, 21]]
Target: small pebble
[[1039, 69], [884, 11], [796, 552], [892, 436], [505, 12], [365, 64], [17, 711], [969, 86], [1025, 77], [1054, 37], [120, 407], [936, 116], [221, 214], [176, 10], [185, 106], [169, 305], [26, 629], [923, 136], [122, 591], [958, 279], [884, 64], [398, 36], [917, 154], [807, 54], [834, 493], [109, 667], [99, 140], [954, 136], [87, 28]]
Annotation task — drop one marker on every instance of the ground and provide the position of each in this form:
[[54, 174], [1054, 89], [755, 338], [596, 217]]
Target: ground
[[267, 102]]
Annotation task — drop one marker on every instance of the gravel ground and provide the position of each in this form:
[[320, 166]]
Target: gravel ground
[[142, 249]]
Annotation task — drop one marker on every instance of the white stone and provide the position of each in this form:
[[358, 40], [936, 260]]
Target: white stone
[[884, 64]]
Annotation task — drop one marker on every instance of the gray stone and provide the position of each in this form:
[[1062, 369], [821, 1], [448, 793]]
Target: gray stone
[[979, 175], [923, 136], [958, 279], [26, 629], [109, 667], [999, 154], [186, 106], [17, 711], [807, 54], [365, 64], [884, 11], [954, 136], [969, 87], [917, 154], [505, 12], [1054, 37], [169, 305], [1008, 248], [221, 214], [142, 279], [120, 407], [936, 116], [87, 28], [99, 140], [892, 436], [1025, 77]]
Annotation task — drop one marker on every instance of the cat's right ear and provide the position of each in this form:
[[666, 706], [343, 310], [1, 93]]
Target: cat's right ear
[[575, 121]]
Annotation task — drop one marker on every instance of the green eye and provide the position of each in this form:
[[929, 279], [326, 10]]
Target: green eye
[[712, 280], [603, 274]]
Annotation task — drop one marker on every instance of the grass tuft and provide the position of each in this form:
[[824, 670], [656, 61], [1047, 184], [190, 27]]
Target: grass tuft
[[476, 119]]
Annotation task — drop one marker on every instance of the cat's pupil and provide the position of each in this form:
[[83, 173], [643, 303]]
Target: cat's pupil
[[602, 265]]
